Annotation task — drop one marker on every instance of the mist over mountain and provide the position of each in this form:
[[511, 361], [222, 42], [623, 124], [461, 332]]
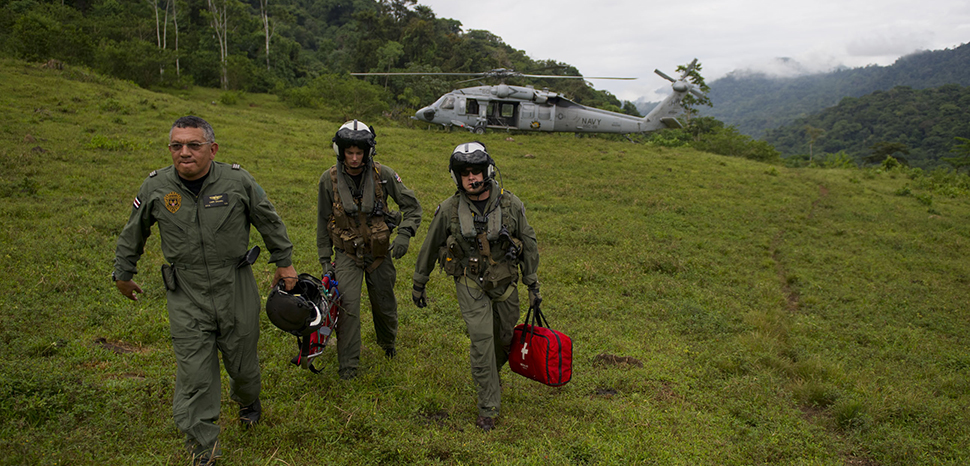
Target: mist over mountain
[[759, 100]]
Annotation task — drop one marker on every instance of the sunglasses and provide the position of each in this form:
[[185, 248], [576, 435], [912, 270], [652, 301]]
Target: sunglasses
[[193, 146], [469, 170]]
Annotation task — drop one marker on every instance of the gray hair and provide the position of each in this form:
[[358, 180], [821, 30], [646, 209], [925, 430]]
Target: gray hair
[[195, 122]]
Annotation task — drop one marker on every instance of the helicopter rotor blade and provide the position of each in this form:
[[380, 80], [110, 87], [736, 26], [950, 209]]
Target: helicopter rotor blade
[[497, 73], [554, 76], [663, 75], [608, 77], [416, 74], [690, 68]]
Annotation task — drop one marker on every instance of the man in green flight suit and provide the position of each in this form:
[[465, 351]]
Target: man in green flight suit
[[481, 238], [354, 220], [204, 210]]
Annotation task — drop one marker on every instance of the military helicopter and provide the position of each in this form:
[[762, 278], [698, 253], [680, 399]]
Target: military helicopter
[[524, 108]]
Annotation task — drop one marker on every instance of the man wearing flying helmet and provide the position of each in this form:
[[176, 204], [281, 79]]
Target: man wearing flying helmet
[[481, 238], [354, 220]]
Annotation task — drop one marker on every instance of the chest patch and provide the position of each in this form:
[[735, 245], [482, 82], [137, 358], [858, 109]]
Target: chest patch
[[216, 200], [173, 201]]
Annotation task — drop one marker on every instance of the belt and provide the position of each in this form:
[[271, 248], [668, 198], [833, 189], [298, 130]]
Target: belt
[[471, 283]]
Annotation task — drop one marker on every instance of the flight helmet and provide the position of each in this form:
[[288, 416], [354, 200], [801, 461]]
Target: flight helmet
[[355, 133], [470, 154], [297, 310]]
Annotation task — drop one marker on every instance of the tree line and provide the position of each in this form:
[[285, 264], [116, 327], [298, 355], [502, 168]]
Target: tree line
[[302, 50]]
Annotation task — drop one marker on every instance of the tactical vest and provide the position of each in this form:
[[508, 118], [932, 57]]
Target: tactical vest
[[367, 232], [486, 263]]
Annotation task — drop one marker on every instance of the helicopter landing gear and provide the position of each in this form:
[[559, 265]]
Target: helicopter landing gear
[[480, 129]]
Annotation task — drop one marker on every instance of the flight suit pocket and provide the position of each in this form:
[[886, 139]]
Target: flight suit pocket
[[168, 277]]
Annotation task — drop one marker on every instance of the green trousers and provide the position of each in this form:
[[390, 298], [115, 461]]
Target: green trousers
[[204, 324], [490, 325], [383, 305]]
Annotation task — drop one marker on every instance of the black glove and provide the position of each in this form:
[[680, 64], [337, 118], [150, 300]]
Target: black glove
[[400, 246], [534, 297], [327, 267], [419, 296]]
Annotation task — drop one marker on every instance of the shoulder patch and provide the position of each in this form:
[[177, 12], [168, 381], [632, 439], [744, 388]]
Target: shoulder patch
[[236, 166], [436, 210], [137, 202], [153, 173]]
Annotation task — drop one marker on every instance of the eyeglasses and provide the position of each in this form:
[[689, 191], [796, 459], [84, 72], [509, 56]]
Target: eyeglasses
[[193, 146], [469, 170]]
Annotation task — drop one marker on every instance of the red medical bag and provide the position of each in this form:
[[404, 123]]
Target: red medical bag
[[541, 353]]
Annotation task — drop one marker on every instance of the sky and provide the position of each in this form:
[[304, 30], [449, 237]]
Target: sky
[[631, 38]]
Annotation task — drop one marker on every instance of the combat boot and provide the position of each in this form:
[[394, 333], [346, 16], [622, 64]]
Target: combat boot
[[249, 415]]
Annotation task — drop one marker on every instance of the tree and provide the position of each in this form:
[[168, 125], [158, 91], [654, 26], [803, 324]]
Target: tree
[[630, 108], [387, 56], [884, 150], [267, 30], [692, 102], [963, 154], [813, 135], [161, 30], [219, 17], [175, 22]]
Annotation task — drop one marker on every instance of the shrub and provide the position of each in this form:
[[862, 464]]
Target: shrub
[[229, 98], [728, 141], [351, 98]]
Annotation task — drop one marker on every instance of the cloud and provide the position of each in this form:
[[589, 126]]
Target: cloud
[[630, 38], [889, 42]]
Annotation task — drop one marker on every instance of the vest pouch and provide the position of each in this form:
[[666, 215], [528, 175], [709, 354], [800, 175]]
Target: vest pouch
[[343, 239], [392, 219], [450, 256], [499, 275], [380, 239], [515, 249]]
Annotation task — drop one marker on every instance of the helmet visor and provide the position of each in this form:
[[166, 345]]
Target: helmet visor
[[362, 138]]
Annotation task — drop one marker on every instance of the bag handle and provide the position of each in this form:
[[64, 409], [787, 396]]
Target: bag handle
[[535, 317]]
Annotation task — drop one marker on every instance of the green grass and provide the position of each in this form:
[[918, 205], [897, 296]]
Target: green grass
[[784, 316]]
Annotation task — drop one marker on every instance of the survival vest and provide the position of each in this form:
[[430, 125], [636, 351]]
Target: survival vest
[[365, 232], [482, 258]]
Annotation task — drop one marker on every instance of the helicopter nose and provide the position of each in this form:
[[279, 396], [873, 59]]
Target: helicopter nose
[[426, 114]]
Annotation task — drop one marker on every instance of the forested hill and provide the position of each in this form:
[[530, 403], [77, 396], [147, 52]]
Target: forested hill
[[921, 124], [755, 103], [270, 46]]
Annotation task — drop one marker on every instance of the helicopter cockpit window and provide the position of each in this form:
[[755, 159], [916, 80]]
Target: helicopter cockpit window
[[448, 103]]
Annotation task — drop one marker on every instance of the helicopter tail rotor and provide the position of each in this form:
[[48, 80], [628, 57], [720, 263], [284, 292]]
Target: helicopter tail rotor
[[682, 84]]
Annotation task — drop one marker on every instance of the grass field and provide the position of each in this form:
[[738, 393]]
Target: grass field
[[723, 311]]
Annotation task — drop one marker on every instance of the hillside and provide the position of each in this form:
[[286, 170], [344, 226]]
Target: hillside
[[723, 311], [755, 102], [275, 46], [926, 122]]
